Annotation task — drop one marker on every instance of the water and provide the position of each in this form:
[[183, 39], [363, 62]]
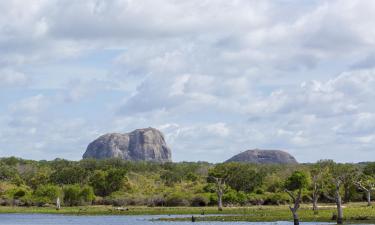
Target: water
[[48, 219]]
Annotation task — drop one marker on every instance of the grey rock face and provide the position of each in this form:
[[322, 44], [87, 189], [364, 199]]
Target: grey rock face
[[264, 157], [142, 144]]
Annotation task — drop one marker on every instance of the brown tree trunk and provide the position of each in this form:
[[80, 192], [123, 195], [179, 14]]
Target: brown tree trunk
[[295, 219], [296, 205]]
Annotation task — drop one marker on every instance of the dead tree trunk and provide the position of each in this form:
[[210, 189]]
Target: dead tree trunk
[[338, 203], [58, 206], [220, 185], [367, 190], [294, 209], [368, 196], [315, 195]]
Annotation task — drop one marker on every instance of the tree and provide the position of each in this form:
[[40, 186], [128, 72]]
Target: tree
[[69, 175], [369, 169], [318, 172], [220, 188], [218, 175], [98, 182], [339, 174], [367, 184], [296, 182], [114, 180]]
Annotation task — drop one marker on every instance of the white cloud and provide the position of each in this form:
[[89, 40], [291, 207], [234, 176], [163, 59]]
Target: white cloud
[[9, 77], [30, 105], [217, 77]]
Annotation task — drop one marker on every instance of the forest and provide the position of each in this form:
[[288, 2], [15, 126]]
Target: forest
[[117, 182]]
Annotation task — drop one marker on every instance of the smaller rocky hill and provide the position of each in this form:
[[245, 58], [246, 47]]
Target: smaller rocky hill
[[264, 157]]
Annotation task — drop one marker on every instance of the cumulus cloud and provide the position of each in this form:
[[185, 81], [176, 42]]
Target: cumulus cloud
[[217, 77]]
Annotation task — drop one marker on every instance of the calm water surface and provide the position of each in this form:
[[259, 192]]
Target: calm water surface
[[47, 219]]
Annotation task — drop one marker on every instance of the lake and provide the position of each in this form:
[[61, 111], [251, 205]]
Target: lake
[[51, 219]]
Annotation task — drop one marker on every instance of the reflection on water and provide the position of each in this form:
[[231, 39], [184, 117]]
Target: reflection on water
[[47, 219]]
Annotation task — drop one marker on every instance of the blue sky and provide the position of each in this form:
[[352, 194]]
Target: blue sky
[[217, 77]]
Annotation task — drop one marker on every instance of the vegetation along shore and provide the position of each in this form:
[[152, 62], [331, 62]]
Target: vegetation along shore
[[322, 191]]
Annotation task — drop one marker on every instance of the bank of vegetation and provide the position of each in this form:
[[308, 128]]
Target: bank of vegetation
[[121, 183]]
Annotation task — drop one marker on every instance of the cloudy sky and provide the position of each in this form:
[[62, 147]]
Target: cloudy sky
[[217, 77]]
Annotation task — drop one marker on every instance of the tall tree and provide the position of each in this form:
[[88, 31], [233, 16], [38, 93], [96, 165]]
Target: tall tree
[[220, 188], [318, 172], [340, 173], [296, 182]]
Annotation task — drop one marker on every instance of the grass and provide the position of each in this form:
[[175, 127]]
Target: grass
[[354, 212]]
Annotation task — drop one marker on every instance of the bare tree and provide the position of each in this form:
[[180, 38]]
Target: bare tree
[[318, 173], [340, 173], [340, 214], [337, 199], [220, 188], [366, 184], [58, 206]]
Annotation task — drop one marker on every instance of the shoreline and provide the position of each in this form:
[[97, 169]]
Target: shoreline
[[353, 213]]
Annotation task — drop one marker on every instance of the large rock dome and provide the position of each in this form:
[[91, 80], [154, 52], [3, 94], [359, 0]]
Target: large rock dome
[[146, 144], [264, 157]]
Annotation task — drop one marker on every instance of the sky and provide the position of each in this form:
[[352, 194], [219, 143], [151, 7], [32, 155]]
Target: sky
[[216, 77]]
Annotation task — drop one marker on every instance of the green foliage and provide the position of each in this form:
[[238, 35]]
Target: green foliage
[[47, 193], [72, 195], [69, 175], [120, 182], [369, 169], [114, 180], [298, 180], [177, 199], [87, 194], [239, 176]]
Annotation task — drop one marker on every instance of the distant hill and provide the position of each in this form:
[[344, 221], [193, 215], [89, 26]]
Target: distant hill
[[146, 144], [264, 157]]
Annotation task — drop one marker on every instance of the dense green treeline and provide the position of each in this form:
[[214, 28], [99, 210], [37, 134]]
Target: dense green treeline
[[117, 182]]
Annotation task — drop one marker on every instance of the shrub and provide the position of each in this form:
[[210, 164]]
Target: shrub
[[212, 199], [46, 194], [87, 194], [255, 199], [157, 200], [72, 195], [276, 198], [177, 199], [199, 200]]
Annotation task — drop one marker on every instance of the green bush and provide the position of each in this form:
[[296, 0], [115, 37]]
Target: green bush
[[75, 195], [212, 199], [255, 199], [72, 195], [199, 200], [277, 198], [87, 194], [46, 194], [177, 199]]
